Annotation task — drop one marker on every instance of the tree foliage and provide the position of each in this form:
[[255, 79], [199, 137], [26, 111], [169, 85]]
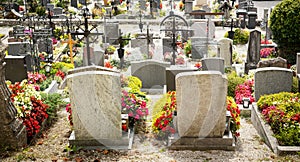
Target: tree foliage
[[285, 26]]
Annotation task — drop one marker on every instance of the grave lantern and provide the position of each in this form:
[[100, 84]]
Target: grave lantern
[[246, 102]]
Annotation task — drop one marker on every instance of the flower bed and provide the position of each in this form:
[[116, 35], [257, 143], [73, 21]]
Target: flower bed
[[281, 113]]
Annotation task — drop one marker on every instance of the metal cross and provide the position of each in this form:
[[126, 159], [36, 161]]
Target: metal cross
[[121, 51], [70, 42], [174, 30], [86, 34]]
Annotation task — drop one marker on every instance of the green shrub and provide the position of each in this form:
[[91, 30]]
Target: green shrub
[[295, 85], [241, 36], [285, 26], [233, 81]]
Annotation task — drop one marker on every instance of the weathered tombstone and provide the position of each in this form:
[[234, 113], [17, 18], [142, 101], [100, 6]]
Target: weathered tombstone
[[200, 29], [272, 80], [188, 7], [139, 43], [16, 69], [253, 54], [152, 73], [57, 11], [143, 5], [199, 47], [74, 3], [98, 56], [171, 73], [45, 45], [213, 64], [111, 31], [17, 48], [225, 50], [85, 56], [13, 132], [201, 111], [167, 45], [98, 102], [274, 62]]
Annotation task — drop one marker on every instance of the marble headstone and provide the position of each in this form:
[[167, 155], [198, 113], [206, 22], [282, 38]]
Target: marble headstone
[[200, 29], [98, 56], [213, 64], [16, 69], [253, 54], [225, 50], [152, 73], [199, 47], [201, 104], [270, 80], [17, 48], [111, 31], [96, 104]]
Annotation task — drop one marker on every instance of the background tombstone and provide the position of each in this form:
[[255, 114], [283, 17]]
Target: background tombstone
[[98, 56], [171, 73], [274, 62], [111, 32], [253, 54], [57, 11], [50, 6], [199, 29], [74, 3], [13, 132], [225, 50], [199, 47], [16, 69], [45, 45], [17, 48], [213, 64], [167, 45], [272, 80], [99, 102], [152, 73]]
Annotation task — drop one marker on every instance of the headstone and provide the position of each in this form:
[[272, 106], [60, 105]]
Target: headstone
[[45, 45], [253, 54], [200, 29], [213, 64], [188, 7], [85, 56], [57, 11], [167, 45], [50, 6], [202, 114], [143, 5], [111, 31], [16, 69], [98, 56], [272, 80], [199, 47], [225, 50], [171, 73], [17, 48], [274, 62], [74, 3], [139, 43], [13, 132], [152, 73], [95, 98]]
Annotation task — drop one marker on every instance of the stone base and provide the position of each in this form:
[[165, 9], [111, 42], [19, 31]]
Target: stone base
[[125, 143], [226, 143], [265, 132], [245, 112]]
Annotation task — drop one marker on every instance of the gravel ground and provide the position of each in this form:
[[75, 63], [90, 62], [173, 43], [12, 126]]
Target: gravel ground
[[53, 143]]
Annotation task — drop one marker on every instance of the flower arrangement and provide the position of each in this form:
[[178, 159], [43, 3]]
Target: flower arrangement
[[162, 125], [281, 112], [179, 60], [187, 47], [110, 49], [134, 105], [69, 110], [168, 57], [198, 65], [43, 56], [244, 90], [267, 52], [35, 78], [108, 65], [235, 116], [30, 107]]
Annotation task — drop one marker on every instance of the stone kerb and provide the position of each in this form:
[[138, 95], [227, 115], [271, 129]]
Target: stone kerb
[[150, 72], [96, 109], [270, 80], [91, 68], [201, 104]]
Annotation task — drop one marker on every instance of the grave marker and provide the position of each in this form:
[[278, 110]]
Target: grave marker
[[253, 54], [225, 50]]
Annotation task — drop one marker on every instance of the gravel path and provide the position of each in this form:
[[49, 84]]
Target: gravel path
[[52, 147]]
